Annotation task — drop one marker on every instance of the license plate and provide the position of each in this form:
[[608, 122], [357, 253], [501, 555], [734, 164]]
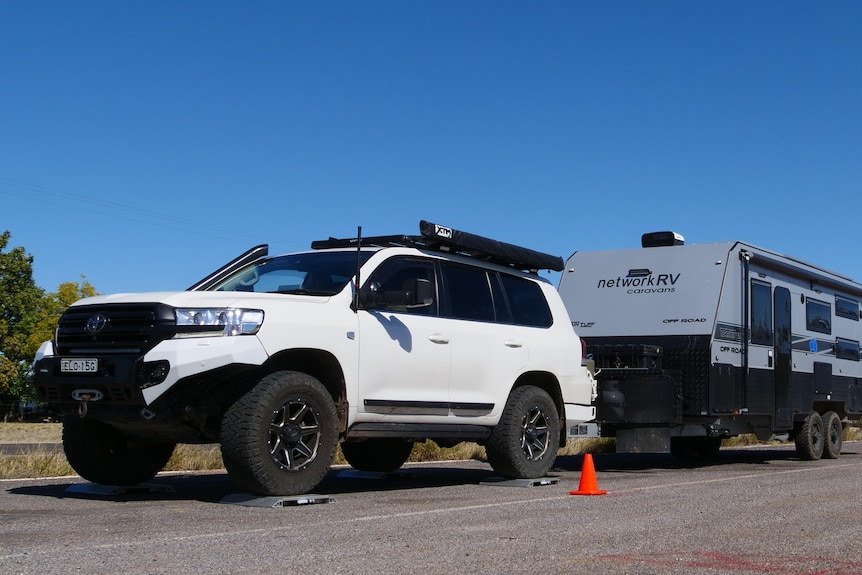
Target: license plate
[[79, 365]]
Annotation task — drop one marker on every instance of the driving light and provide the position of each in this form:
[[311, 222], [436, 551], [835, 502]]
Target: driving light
[[209, 322]]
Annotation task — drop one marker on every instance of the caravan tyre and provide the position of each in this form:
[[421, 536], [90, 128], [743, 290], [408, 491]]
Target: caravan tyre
[[833, 432], [810, 438]]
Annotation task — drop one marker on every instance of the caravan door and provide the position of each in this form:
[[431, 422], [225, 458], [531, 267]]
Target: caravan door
[[782, 417]]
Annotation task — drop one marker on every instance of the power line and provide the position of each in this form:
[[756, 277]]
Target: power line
[[25, 190]]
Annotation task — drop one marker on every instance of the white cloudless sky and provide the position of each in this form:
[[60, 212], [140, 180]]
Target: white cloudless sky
[[145, 143]]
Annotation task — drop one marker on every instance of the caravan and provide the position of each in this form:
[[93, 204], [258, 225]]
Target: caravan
[[695, 343]]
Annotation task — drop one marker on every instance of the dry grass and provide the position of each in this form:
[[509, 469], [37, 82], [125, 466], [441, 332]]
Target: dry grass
[[195, 458], [37, 462], [12, 432]]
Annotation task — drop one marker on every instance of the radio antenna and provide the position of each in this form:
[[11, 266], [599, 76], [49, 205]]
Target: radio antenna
[[358, 263]]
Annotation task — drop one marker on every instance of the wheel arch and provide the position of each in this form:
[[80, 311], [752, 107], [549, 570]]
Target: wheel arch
[[320, 364], [826, 406]]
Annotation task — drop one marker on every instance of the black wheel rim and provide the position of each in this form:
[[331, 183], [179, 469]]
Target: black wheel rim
[[535, 433], [817, 436], [294, 434]]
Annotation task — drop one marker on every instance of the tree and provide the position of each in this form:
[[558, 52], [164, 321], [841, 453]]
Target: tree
[[20, 300], [28, 317], [51, 307]]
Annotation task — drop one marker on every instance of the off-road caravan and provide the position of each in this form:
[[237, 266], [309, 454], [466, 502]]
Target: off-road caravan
[[695, 343]]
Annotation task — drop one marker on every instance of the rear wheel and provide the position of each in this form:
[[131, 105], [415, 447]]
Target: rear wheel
[[280, 437], [833, 432], [524, 443], [103, 454], [377, 454], [810, 438]]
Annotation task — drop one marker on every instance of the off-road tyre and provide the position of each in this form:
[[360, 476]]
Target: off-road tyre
[[810, 438], [102, 454], [833, 432], [379, 454], [280, 437], [524, 443]]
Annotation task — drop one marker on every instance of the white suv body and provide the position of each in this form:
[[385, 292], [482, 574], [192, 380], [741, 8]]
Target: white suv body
[[266, 356]]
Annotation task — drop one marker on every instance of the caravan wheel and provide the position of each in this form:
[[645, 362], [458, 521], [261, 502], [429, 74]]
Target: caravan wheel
[[833, 435], [810, 437]]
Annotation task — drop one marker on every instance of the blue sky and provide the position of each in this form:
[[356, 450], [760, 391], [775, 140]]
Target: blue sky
[[145, 143]]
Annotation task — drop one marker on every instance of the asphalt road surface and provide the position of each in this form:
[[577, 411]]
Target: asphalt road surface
[[748, 511]]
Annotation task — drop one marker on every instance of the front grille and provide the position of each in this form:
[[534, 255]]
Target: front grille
[[129, 329]]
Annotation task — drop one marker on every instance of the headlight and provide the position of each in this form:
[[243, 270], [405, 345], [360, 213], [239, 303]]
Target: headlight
[[211, 322]]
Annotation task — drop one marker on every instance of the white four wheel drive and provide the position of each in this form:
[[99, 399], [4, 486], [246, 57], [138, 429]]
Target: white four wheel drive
[[373, 343]]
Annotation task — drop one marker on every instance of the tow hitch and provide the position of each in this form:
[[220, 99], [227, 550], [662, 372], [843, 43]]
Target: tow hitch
[[83, 396]]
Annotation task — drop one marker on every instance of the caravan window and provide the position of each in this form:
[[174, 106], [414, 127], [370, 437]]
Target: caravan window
[[761, 313], [846, 308], [847, 349], [818, 316]]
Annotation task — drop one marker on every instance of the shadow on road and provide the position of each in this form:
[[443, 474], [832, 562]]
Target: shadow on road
[[215, 486]]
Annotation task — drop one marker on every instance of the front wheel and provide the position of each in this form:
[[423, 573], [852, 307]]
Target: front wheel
[[524, 443], [810, 438], [280, 437], [103, 454]]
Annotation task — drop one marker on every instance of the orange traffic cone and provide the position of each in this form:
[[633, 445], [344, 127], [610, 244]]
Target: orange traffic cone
[[588, 485]]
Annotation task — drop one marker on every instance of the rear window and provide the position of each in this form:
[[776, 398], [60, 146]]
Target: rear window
[[528, 303]]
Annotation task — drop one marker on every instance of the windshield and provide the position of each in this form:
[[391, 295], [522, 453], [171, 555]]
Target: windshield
[[313, 273]]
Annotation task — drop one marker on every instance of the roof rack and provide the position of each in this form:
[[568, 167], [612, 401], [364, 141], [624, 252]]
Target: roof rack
[[440, 238]]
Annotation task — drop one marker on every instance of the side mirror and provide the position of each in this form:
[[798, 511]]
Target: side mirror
[[419, 292]]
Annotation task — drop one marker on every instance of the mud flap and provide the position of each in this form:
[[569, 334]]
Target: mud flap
[[643, 440]]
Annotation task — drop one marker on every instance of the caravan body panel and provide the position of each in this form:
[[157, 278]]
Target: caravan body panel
[[746, 339]]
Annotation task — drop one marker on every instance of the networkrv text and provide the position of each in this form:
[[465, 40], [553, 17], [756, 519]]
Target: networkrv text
[[653, 283]]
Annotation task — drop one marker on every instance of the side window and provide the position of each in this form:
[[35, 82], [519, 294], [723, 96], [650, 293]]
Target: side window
[[396, 281], [529, 307], [468, 293], [846, 349], [818, 316], [846, 308], [501, 306], [761, 313]]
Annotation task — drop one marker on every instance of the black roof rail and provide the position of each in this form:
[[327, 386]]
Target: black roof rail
[[444, 239]]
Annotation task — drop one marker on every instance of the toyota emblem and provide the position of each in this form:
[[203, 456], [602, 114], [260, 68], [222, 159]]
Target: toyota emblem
[[96, 323]]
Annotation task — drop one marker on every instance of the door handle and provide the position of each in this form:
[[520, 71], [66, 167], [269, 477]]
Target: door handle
[[514, 343], [438, 338]]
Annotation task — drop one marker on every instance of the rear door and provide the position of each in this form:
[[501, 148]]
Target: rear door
[[488, 349]]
